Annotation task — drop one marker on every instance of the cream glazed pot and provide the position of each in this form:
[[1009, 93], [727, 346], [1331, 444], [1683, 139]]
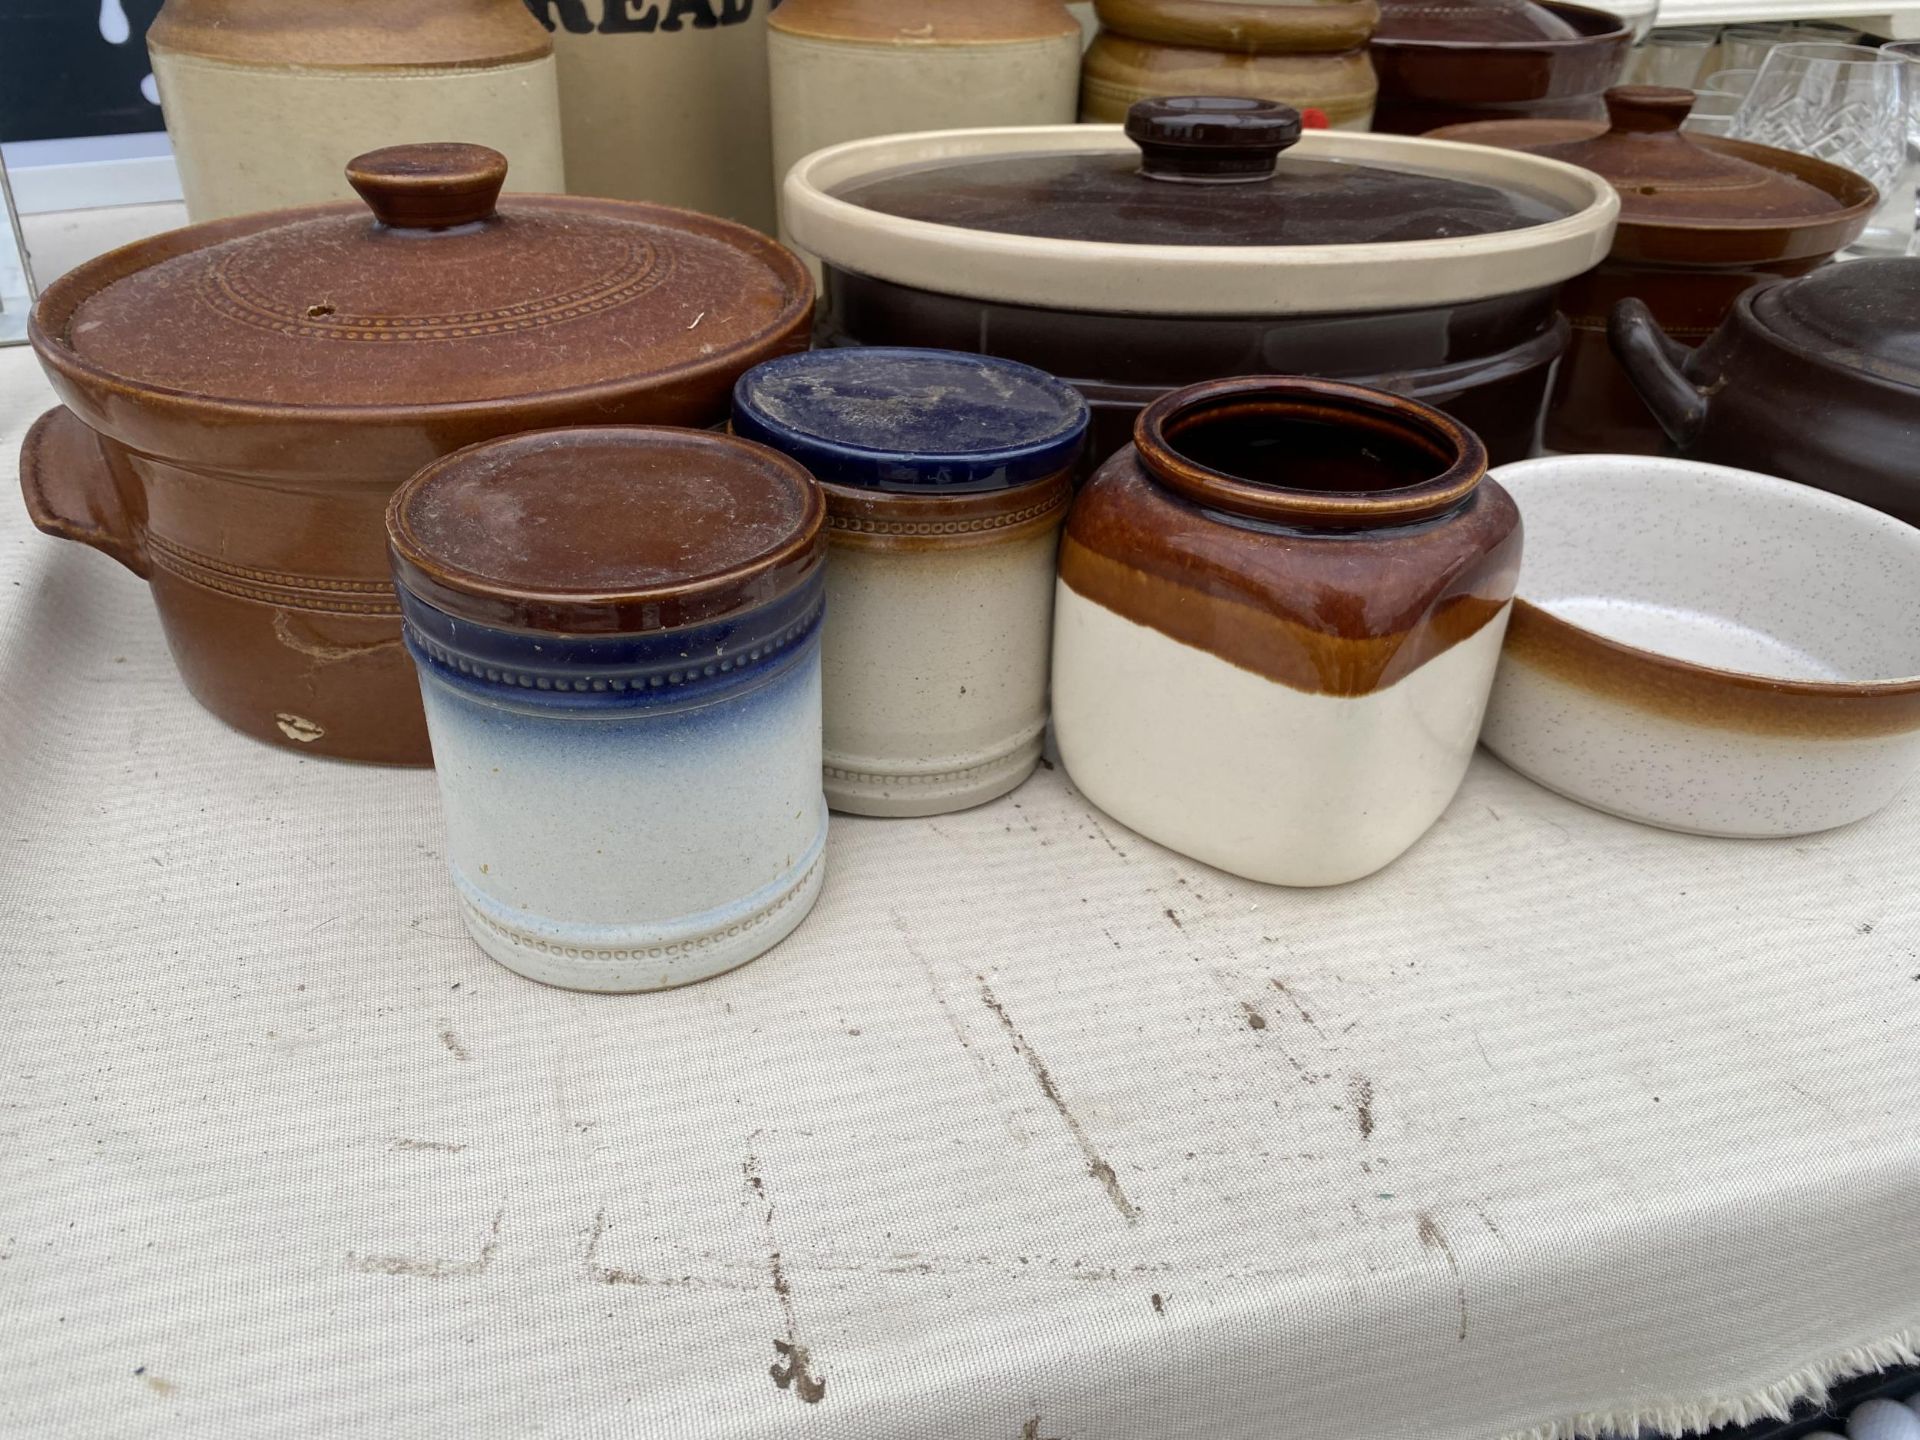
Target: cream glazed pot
[[1278, 617], [947, 478], [617, 634], [848, 69], [265, 101]]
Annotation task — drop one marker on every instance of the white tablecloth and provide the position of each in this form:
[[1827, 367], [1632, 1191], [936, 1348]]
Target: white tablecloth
[[1033, 1130]]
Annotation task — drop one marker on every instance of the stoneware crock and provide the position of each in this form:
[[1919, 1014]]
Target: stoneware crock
[[1463, 60], [242, 398], [1702, 220], [666, 101], [1309, 54], [1708, 649], [847, 69], [1277, 619], [1210, 237], [947, 477], [617, 633], [1815, 379], [266, 100]]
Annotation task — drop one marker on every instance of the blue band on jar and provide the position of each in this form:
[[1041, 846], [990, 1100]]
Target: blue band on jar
[[596, 674], [912, 421]]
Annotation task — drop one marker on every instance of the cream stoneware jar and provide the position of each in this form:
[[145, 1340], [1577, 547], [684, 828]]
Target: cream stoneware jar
[[947, 477], [1278, 616], [617, 634], [266, 101]]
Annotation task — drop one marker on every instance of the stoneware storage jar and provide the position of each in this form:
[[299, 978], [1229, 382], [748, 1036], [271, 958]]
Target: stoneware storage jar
[[1278, 616], [242, 397], [267, 100], [1815, 379], [847, 69], [1702, 220], [1448, 62], [1707, 649], [618, 638], [1309, 54], [666, 100], [947, 477], [1210, 237]]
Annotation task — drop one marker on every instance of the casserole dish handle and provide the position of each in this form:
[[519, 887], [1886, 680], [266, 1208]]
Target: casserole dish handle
[[73, 488], [1655, 363]]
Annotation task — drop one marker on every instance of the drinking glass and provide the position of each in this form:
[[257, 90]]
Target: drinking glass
[[1672, 57], [1846, 104], [16, 273], [1727, 82], [1909, 52], [1743, 47], [1711, 114]]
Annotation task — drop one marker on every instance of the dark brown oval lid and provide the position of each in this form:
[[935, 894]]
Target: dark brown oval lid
[[1209, 172], [622, 529], [1862, 315], [1662, 174], [1471, 21], [440, 296]]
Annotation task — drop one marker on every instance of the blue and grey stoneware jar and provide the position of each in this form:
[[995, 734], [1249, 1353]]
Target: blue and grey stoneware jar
[[618, 637], [947, 477]]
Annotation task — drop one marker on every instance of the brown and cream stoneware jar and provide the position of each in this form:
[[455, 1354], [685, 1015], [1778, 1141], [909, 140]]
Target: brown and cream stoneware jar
[[947, 477], [1278, 618], [266, 100], [241, 398]]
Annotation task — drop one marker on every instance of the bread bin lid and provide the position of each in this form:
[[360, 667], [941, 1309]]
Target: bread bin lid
[[1863, 315], [1668, 178], [1192, 209], [913, 421], [410, 34], [926, 22], [622, 529], [444, 296]]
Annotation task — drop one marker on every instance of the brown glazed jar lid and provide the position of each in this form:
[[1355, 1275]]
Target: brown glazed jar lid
[[423, 33], [1208, 172], [1244, 27], [1668, 178], [618, 530], [443, 296]]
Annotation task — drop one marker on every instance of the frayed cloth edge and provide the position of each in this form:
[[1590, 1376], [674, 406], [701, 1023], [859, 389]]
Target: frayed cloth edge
[[1771, 1402]]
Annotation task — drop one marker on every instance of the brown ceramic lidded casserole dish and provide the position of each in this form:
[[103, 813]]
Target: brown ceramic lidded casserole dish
[[1702, 219], [1209, 237], [1449, 62], [243, 396]]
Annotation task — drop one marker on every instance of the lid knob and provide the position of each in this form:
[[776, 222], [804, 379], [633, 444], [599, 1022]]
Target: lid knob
[[1647, 109], [429, 187], [1211, 139]]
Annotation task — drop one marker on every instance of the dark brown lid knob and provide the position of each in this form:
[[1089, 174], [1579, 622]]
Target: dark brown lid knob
[[1211, 138], [1644, 109], [429, 187]]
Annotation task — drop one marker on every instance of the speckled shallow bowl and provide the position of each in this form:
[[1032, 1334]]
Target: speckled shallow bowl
[[1708, 649]]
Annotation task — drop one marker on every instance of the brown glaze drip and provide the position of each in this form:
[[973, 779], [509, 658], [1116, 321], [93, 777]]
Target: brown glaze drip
[[888, 520], [1332, 591], [380, 36], [1698, 695]]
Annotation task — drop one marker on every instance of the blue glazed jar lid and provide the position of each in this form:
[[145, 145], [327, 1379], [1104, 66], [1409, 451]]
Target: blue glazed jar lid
[[912, 421]]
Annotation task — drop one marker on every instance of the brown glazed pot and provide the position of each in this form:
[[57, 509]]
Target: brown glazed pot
[[1278, 618], [1208, 238], [1702, 220], [1815, 380], [1309, 54], [241, 398], [1427, 81]]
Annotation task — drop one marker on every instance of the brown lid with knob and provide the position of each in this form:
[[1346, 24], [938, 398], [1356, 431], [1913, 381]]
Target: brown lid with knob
[[1667, 177], [443, 295], [1209, 171], [619, 529]]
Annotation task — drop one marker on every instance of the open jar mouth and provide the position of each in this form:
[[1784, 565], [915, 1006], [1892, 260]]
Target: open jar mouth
[[1311, 454]]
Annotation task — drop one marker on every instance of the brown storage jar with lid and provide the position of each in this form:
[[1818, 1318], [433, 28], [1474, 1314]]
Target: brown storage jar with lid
[[1450, 62], [1313, 53], [267, 100], [242, 397], [1702, 219], [1413, 266]]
